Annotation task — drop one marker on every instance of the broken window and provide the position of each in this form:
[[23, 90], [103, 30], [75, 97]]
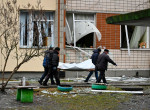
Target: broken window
[[86, 41], [80, 29], [36, 29], [138, 37]]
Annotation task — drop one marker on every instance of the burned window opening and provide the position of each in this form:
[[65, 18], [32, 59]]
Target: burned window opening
[[78, 29], [35, 34], [86, 41]]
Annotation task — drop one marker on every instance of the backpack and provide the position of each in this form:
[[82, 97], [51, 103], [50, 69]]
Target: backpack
[[48, 59], [92, 57]]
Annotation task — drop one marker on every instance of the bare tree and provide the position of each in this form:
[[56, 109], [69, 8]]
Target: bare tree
[[10, 37]]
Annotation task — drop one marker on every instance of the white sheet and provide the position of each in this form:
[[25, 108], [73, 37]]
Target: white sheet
[[86, 65]]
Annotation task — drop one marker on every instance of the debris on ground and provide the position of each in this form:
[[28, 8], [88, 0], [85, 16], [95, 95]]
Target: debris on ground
[[79, 98]]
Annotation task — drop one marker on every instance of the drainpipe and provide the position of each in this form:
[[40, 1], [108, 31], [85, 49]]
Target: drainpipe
[[147, 46], [120, 37], [126, 30], [74, 31], [1, 52]]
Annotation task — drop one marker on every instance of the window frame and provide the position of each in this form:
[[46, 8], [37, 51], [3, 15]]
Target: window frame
[[30, 16], [74, 26], [74, 22], [147, 40]]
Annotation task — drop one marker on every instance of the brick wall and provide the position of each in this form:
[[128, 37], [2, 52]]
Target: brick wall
[[136, 61], [110, 33]]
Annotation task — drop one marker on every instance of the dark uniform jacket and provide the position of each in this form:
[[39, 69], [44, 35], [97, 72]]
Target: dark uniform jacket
[[94, 56], [55, 59], [103, 60], [47, 62]]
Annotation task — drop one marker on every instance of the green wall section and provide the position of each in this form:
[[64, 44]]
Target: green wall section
[[138, 18]]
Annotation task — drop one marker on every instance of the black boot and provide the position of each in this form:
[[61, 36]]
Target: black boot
[[53, 83], [85, 81], [45, 84], [40, 82]]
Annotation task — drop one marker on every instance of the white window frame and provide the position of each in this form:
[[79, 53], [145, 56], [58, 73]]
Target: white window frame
[[74, 22], [30, 43], [147, 41]]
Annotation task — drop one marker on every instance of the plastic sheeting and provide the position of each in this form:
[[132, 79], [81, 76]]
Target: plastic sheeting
[[68, 33], [86, 65], [84, 28]]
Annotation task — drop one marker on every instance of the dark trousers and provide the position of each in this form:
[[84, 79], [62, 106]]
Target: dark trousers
[[52, 72], [49, 76], [46, 69], [56, 75], [102, 76], [90, 74]]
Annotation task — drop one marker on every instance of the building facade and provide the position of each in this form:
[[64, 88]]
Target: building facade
[[65, 25]]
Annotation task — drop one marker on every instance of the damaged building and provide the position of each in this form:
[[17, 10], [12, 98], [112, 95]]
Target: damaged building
[[79, 26]]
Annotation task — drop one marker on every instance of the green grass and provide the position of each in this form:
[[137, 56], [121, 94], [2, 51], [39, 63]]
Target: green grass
[[91, 102], [77, 101], [99, 101]]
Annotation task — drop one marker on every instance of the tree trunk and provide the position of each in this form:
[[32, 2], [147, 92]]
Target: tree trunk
[[15, 70], [5, 84], [3, 88]]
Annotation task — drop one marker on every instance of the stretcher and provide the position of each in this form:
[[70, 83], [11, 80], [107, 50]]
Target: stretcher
[[87, 65]]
